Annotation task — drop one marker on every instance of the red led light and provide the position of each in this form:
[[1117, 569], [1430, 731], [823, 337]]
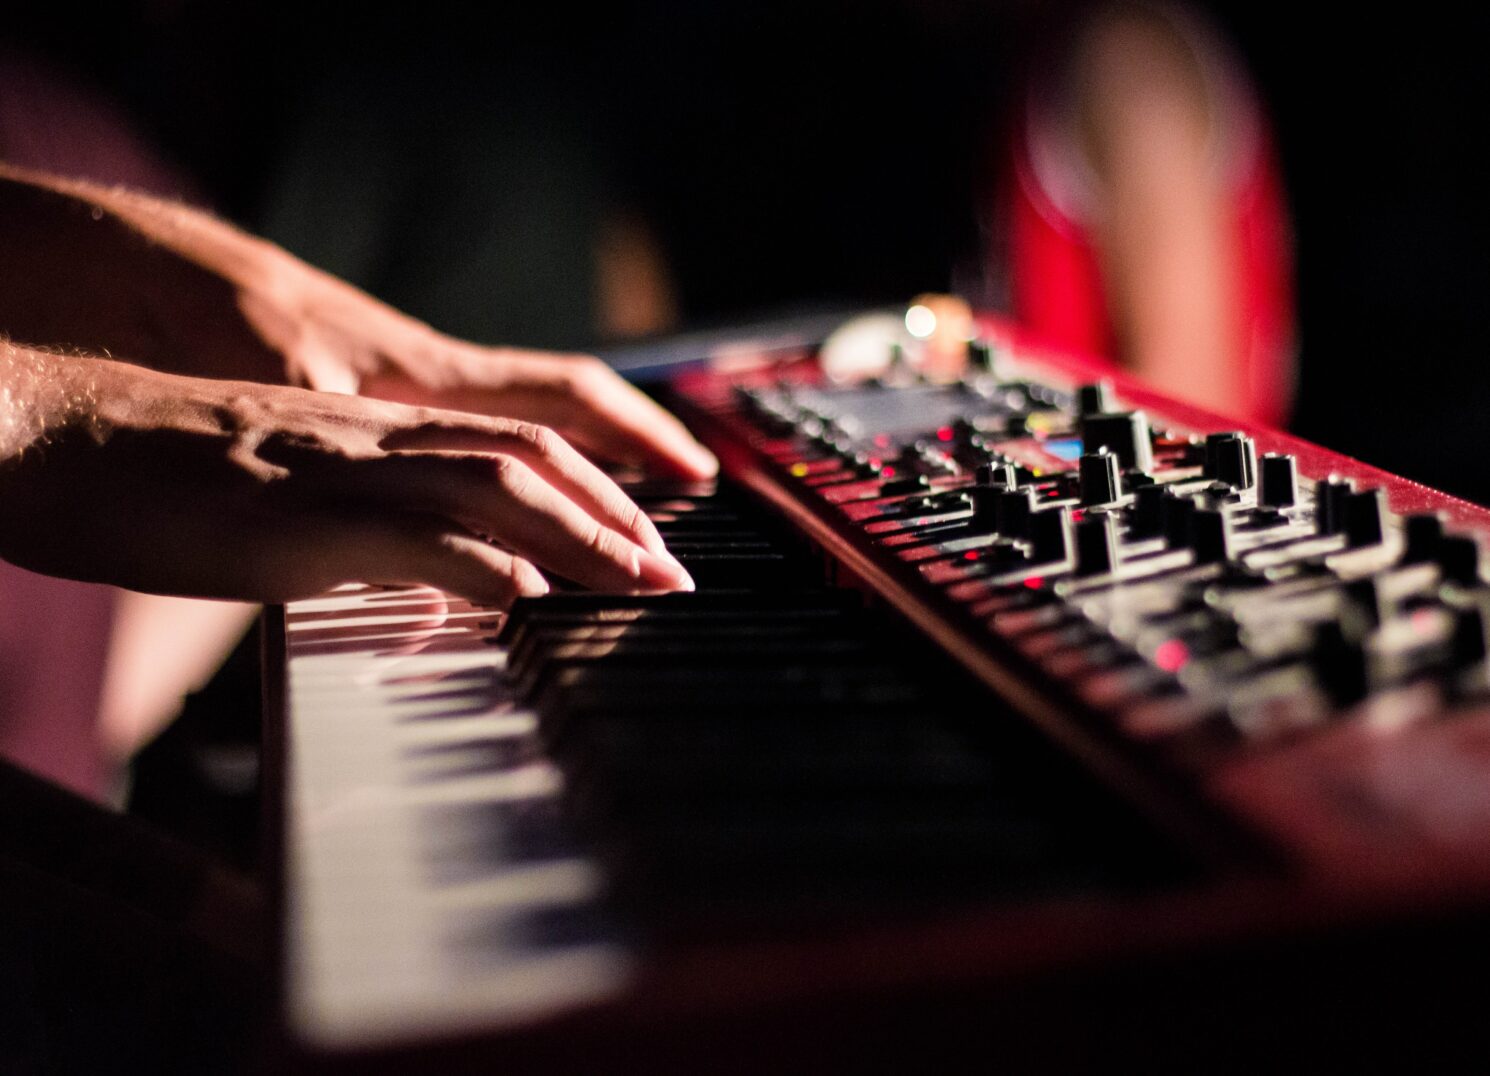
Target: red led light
[[944, 434], [1035, 582], [887, 472], [971, 554], [1172, 655], [1077, 515]]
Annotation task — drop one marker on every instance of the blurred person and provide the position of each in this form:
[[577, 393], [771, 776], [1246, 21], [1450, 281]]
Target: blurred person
[[1144, 213], [1102, 171]]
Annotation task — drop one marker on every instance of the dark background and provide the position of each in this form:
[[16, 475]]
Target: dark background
[[801, 155]]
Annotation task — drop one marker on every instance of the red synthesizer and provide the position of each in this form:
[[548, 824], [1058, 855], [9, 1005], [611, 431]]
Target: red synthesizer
[[1020, 714]]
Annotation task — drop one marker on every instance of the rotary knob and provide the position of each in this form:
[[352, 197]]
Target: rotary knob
[[1123, 433], [1210, 535], [1330, 496], [1094, 398], [1422, 534], [1278, 481], [1231, 458], [1146, 518], [1050, 535], [1096, 545], [1365, 518], [1098, 475], [1012, 510], [997, 475], [1177, 517]]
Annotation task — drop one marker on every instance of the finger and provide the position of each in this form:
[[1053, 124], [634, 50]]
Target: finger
[[419, 549], [576, 395], [614, 418], [504, 498], [552, 458]]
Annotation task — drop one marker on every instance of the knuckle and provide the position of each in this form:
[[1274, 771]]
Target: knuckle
[[543, 440], [511, 476], [586, 376], [522, 437], [604, 543], [634, 519]]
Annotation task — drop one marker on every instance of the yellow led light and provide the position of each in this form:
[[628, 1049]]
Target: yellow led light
[[799, 470]]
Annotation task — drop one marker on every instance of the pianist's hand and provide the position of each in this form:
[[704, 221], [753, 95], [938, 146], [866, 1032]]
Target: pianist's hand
[[169, 484], [116, 272]]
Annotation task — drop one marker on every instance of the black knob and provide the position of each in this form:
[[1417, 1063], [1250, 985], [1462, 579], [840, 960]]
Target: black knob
[[1094, 398], [1123, 433], [985, 508], [965, 431], [1365, 518], [858, 470], [1098, 474], [1231, 458], [1050, 535], [1012, 509], [1236, 463], [1146, 518], [1423, 534], [1459, 559], [1365, 596], [1177, 514], [1208, 462], [980, 355], [1339, 656], [1330, 496], [1210, 535], [1096, 545], [897, 486], [1470, 643], [1004, 475], [1278, 481], [863, 465]]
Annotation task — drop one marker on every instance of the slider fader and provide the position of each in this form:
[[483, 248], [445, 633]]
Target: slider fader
[[1262, 621], [1018, 714]]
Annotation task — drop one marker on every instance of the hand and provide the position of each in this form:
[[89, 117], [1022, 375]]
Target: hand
[[111, 271], [334, 337], [167, 484]]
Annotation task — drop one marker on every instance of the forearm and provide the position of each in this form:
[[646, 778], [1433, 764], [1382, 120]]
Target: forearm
[[1169, 260], [31, 400], [113, 272], [1155, 131]]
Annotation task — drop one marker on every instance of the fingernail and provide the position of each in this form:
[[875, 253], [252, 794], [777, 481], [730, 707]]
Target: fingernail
[[662, 572]]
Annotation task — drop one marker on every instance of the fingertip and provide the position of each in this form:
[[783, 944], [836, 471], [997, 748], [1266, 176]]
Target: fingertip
[[663, 572], [528, 580], [688, 460], [702, 462]]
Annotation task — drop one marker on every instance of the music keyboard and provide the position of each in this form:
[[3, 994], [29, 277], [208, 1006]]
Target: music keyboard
[[916, 735]]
